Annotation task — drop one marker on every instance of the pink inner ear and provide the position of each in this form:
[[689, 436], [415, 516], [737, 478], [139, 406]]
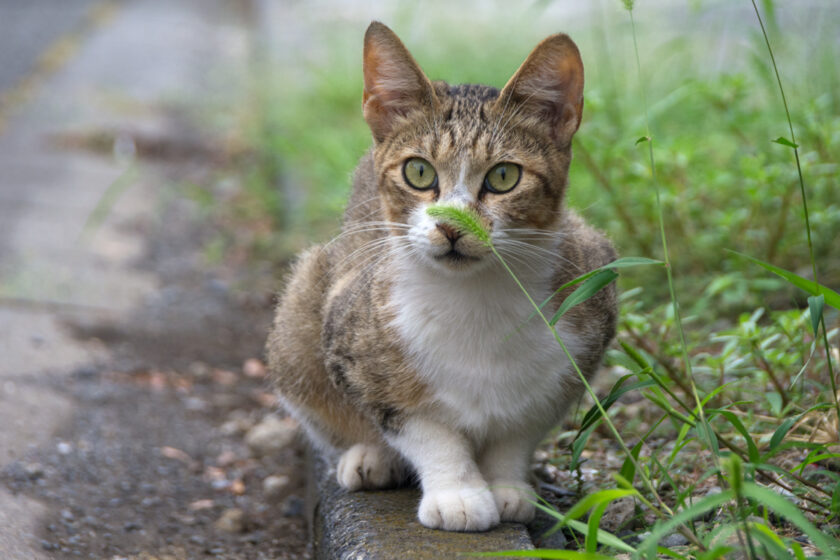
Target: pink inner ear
[[394, 84], [550, 85]]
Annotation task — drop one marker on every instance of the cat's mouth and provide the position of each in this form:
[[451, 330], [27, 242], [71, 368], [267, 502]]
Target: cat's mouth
[[455, 257]]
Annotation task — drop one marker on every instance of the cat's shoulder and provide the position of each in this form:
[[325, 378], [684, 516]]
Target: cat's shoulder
[[582, 248]]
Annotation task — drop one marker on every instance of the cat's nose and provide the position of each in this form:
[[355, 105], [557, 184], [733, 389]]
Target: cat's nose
[[449, 232]]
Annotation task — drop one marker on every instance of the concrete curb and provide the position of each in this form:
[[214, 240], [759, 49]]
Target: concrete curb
[[383, 525]]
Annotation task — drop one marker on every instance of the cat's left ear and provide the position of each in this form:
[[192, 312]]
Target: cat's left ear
[[549, 85], [394, 84]]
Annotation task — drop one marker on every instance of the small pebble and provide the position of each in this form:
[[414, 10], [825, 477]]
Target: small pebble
[[674, 539], [237, 487], [224, 377], [194, 404], [220, 484], [64, 448], [201, 504], [231, 428], [226, 458], [271, 435], [253, 538], [274, 485], [199, 369], [253, 368], [33, 470], [231, 521]]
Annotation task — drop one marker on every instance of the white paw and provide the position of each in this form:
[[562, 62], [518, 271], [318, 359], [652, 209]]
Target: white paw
[[459, 509], [511, 498], [367, 466]]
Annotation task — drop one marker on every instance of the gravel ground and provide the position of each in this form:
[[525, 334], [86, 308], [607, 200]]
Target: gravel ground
[[154, 464], [175, 448]]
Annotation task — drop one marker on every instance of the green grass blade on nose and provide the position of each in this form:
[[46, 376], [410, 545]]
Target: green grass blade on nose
[[464, 219]]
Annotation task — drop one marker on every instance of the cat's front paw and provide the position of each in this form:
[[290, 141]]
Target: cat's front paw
[[512, 500], [459, 509], [367, 466]]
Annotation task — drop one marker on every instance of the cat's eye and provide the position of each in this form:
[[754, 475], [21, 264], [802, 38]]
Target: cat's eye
[[419, 174], [502, 178]]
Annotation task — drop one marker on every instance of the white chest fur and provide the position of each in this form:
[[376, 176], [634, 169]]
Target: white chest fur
[[489, 368]]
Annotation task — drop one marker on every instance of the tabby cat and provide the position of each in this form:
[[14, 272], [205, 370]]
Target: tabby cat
[[403, 346]]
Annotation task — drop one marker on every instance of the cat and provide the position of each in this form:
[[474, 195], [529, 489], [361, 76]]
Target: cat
[[404, 347]]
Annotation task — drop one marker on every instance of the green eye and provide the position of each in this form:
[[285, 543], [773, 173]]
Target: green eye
[[502, 178], [419, 173]]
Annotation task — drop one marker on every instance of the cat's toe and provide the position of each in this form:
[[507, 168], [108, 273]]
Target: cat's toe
[[512, 500], [367, 466], [459, 509]]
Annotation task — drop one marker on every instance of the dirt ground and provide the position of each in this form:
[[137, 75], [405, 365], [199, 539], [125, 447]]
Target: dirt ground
[[154, 462]]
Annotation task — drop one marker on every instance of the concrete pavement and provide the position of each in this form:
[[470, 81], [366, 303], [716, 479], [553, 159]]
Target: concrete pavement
[[55, 264]]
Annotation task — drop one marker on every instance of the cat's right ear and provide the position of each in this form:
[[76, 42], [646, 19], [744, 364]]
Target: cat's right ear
[[394, 84]]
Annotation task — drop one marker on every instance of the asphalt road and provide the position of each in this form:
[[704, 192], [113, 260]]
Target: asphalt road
[[28, 29]]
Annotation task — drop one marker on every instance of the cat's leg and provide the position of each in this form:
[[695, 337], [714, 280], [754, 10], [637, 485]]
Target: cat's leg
[[505, 464], [361, 466], [334, 426], [455, 495]]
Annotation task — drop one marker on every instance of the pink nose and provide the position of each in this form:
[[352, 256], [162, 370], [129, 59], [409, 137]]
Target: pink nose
[[449, 232]]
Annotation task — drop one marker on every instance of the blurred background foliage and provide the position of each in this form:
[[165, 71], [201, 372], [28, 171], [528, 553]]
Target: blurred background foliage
[[714, 109]]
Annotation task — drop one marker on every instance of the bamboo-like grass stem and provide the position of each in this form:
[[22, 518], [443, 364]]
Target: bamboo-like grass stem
[[648, 484], [831, 377]]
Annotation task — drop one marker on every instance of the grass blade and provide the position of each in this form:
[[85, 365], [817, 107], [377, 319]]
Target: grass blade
[[700, 507], [752, 449], [785, 142], [832, 298], [815, 306], [465, 218], [592, 526], [767, 498], [542, 553], [781, 432], [594, 284], [592, 500], [604, 537], [617, 391]]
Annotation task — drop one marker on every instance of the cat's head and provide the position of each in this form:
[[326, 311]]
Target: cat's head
[[504, 154]]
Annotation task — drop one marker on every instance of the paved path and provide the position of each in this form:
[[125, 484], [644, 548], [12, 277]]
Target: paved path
[[112, 69]]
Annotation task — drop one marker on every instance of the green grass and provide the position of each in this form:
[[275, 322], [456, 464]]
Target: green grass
[[718, 416]]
